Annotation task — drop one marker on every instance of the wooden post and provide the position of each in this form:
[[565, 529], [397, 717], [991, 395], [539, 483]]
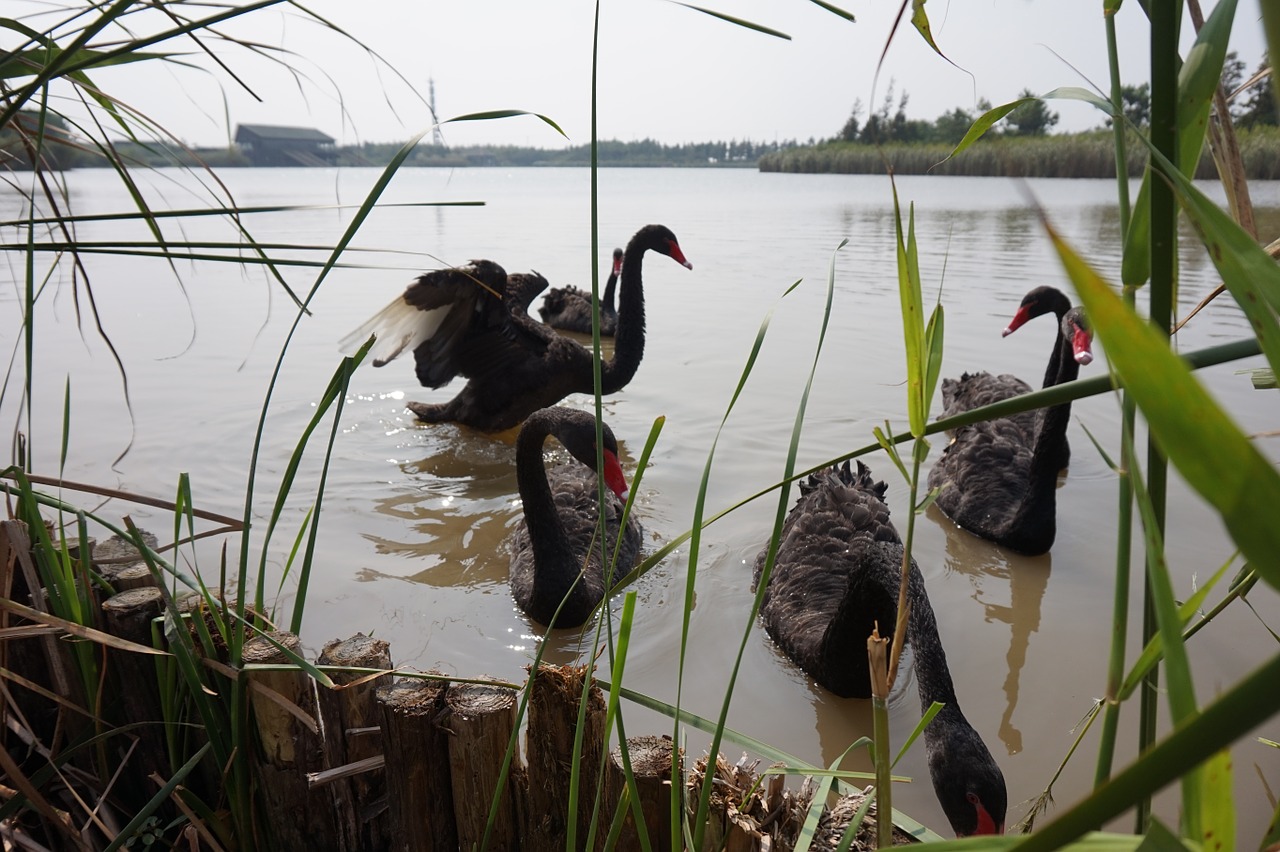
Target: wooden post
[[135, 576], [116, 555], [419, 785], [651, 766], [360, 802], [297, 817], [481, 720], [553, 719], [133, 682], [30, 657]]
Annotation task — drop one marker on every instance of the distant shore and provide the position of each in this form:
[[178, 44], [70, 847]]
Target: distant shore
[[1080, 155]]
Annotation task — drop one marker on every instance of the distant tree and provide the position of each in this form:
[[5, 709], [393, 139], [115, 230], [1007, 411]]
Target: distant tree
[[950, 127], [23, 138], [878, 128], [903, 129], [1136, 103], [849, 133], [1032, 118], [1259, 104], [1232, 76]]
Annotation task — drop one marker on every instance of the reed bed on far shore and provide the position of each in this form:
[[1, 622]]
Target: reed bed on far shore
[[1081, 155]]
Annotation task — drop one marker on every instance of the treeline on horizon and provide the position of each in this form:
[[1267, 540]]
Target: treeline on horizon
[[62, 151], [1020, 145]]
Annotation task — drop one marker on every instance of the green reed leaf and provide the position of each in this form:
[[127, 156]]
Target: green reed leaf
[[741, 22], [985, 121], [1245, 705], [490, 115], [1197, 81], [920, 21], [909, 294], [1249, 273], [1217, 803], [1210, 451], [1154, 651], [933, 337], [848, 16]]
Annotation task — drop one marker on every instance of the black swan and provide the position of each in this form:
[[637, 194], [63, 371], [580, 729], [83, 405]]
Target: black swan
[[835, 577], [569, 308], [999, 483], [556, 541], [974, 390], [467, 322]]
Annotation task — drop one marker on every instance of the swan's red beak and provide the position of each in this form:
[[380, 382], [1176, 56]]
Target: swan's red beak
[[1081, 344], [617, 266], [1023, 314], [673, 249], [986, 824], [613, 476]]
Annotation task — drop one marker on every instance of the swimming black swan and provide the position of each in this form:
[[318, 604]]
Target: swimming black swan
[[974, 390], [557, 536], [999, 483], [465, 322], [569, 308], [836, 576]]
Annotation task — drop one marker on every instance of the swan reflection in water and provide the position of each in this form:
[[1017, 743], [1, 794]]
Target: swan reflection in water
[[1027, 578], [456, 504]]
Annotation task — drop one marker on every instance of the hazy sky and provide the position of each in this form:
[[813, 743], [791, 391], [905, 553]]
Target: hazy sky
[[667, 71]]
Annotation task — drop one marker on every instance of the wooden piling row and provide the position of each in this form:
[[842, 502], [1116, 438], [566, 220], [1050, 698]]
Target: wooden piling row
[[413, 763]]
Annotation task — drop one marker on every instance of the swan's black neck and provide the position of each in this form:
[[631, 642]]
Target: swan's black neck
[[553, 559], [606, 301], [628, 337], [1033, 528], [932, 675], [1055, 357]]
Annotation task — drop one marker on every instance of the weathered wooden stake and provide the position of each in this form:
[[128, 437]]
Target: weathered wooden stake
[[419, 785], [481, 720], [553, 720], [298, 817], [30, 657], [120, 563], [133, 681], [651, 766], [360, 802]]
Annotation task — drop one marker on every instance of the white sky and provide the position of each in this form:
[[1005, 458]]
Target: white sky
[[667, 72]]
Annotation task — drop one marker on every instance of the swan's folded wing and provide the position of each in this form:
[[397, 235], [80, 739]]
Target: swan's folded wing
[[485, 333], [522, 289], [436, 311]]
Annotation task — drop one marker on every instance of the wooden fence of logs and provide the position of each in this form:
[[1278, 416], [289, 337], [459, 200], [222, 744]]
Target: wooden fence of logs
[[410, 763]]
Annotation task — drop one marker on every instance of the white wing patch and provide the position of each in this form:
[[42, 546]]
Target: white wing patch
[[398, 327]]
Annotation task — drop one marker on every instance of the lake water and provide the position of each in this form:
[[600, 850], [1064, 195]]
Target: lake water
[[414, 515]]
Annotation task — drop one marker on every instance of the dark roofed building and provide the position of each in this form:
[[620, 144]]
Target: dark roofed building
[[270, 145]]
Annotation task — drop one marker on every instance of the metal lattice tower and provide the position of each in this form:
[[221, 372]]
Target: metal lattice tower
[[437, 138]]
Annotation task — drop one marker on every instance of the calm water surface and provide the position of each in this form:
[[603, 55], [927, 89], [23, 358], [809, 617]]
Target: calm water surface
[[414, 516]]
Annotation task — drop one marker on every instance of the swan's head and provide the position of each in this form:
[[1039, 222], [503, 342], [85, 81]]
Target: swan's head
[[966, 779], [617, 261], [660, 239], [1038, 301], [577, 431], [1076, 329]]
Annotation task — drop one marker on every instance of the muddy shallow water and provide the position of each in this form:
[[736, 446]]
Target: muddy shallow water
[[414, 516]]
